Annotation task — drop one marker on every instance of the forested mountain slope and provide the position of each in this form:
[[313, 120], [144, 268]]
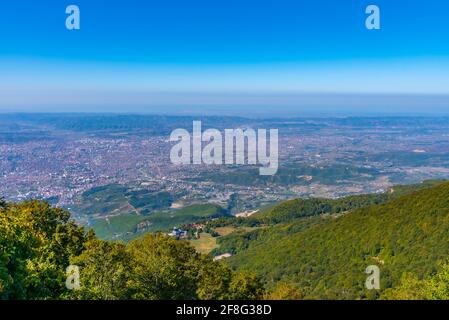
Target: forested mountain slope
[[408, 234]]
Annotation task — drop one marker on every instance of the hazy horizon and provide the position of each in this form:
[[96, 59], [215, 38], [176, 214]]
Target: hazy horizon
[[252, 105]]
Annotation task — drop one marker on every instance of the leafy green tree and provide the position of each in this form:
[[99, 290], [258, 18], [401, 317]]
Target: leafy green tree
[[104, 271], [285, 291], [163, 268], [36, 243], [213, 280], [437, 287], [411, 288]]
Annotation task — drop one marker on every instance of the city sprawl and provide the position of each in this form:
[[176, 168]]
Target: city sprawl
[[102, 166]]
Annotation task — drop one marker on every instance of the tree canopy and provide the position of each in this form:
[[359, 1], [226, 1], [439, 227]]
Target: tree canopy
[[38, 243]]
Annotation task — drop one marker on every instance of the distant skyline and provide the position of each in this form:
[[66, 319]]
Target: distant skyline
[[229, 57]]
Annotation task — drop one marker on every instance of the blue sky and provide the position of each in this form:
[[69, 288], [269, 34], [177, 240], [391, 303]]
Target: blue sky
[[144, 56]]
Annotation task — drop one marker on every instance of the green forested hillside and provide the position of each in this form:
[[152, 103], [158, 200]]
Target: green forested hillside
[[406, 235]]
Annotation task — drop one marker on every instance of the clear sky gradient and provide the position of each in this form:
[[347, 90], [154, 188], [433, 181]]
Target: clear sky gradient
[[223, 56]]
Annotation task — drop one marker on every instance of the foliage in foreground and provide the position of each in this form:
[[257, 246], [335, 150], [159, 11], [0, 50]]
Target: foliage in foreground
[[318, 253], [38, 243], [411, 288]]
